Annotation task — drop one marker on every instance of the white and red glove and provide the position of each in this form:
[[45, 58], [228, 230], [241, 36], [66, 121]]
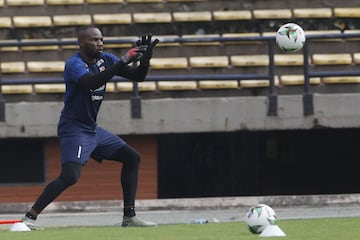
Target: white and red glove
[[134, 54]]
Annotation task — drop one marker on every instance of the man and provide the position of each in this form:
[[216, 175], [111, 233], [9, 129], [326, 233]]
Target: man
[[85, 75]]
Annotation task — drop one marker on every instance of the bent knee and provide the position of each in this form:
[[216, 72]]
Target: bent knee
[[70, 173], [128, 156]]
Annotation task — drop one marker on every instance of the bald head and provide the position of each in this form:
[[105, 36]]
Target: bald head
[[86, 31]]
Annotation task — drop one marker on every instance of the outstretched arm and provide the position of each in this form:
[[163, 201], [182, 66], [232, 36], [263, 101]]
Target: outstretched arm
[[94, 81], [139, 73]]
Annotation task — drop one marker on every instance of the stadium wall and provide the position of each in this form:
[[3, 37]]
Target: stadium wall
[[31, 120], [39, 119]]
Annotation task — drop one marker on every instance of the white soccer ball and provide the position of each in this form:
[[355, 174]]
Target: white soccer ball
[[259, 217], [290, 37]]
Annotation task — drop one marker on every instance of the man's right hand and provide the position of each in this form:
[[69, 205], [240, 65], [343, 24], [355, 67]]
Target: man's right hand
[[134, 54]]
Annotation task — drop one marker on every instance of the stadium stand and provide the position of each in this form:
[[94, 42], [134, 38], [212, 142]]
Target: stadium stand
[[185, 19]]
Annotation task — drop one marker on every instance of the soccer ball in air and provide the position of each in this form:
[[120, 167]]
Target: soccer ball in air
[[258, 217], [290, 37]]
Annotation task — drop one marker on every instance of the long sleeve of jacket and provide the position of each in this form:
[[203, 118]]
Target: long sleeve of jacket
[[94, 81]]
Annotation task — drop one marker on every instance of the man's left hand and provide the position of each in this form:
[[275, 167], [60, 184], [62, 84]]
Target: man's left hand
[[146, 40]]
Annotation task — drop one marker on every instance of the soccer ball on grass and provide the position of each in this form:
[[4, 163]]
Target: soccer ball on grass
[[258, 217], [290, 37]]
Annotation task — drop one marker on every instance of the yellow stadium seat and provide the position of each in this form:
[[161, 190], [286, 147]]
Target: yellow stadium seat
[[331, 59], [341, 80], [232, 15], [142, 86], [203, 16], [177, 85], [72, 20], [12, 67], [356, 58], [289, 59], [49, 88], [154, 17], [110, 87], [112, 18], [353, 12], [124, 86], [25, 2], [312, 13], [169, 63], [257, 83], [250, 60], [297, 79], [45, 66], [10, 48], [5, 22], [104, 1], [32, 21], [218, 84], [2, 2], [51, 47], [17, 89], [65, 2], [272, 14], [209, 62]]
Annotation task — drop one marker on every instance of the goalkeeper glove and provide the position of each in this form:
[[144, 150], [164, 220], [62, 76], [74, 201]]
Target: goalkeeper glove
[[134, 54], [146, 41]]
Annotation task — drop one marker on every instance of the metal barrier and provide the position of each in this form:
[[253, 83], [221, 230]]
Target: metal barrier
[[308, 103], [136, 99]]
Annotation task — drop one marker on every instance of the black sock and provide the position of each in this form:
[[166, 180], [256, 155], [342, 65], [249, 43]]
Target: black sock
[[30, 215], [129, 211]]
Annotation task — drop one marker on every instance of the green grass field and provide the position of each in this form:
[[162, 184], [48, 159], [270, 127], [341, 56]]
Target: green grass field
[[311, 229]]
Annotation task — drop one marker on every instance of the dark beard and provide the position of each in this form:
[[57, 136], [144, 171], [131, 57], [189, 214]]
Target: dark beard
[[92, 54]]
